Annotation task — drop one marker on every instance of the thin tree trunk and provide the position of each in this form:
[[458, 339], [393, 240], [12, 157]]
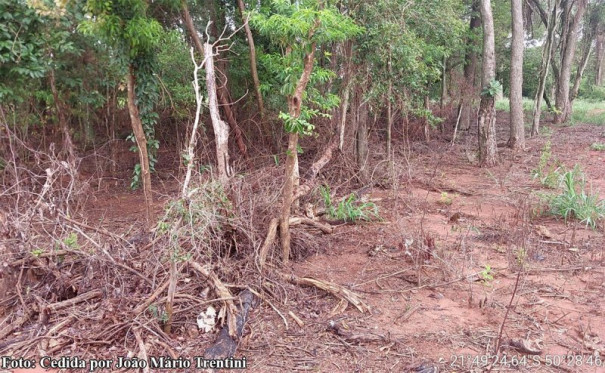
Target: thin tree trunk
[[221, 130], [547, 55], [580, 72], [193, 137], [517, 121], [68, 145], [487, 114], [259, 96], [443, 83], [599, 58], [427, 126], [294, 107], [362, 137], [222, 94], [389, 108], [568, 50], [470, 71], [139, 135]]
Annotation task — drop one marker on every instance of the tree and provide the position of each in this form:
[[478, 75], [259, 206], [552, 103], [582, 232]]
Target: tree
[[487, 114], [299, 29], [550, 20], [126, 26], [250, 38], [470, 68], [517, 122], [570, 25]]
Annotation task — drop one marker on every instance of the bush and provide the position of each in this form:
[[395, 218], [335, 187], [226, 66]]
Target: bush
[[574, 202]]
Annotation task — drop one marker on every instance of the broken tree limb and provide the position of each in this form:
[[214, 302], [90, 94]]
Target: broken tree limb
[[322, 227], [70, 302], [223, 292], [264, 250], [225, 344], [336, 290]]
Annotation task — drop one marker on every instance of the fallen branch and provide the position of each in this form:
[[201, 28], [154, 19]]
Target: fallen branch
[[329, 287], [325, 228], [73, 301], [143, 306]]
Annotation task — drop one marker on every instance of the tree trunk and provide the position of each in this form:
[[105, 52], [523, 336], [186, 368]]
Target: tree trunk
[[599, 56], [139, 135], [470, 70], [517, 121], [221, 130], [389, 108], [580, 71], [547, 55], [294, 107], [259, 96], [222, 93], [68, 145], [362, 137], [568, 49], [487, 114]]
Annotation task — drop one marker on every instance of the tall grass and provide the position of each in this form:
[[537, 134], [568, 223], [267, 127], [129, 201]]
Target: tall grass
[[584, 111]]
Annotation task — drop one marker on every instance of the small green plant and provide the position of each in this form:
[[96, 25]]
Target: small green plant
[[575, 202], [349, 209], [598, 146], [487, 275], [37, 252], [158, 314], [71, 241], [548, 171], [521, 256], [446, 199]]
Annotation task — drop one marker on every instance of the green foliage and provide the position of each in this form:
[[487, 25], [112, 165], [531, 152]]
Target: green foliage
[[292, 30], [548, 171], [492, 89], [574, 201], [598, 146], [487, 275], [21, 47], [349, 209]]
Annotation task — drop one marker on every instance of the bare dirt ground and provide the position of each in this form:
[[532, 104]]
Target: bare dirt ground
[[419, 270], [454, 244]]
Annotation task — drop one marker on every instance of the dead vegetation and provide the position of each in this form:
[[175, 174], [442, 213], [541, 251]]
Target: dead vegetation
[[458, 265]]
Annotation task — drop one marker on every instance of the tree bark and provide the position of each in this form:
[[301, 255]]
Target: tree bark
[[221, 130], [517, 121], [580, 71], [470, 71], [547, 55], [68, 145], [568, 49], [599, 57], [294, 107], [139, 135], [222, 94], [487, 114], [259, 96], [362, 148]]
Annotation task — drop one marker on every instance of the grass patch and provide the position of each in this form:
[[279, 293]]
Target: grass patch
[[349, 209], [588, 112], [548, 171], [574, 202], [584, 111]]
